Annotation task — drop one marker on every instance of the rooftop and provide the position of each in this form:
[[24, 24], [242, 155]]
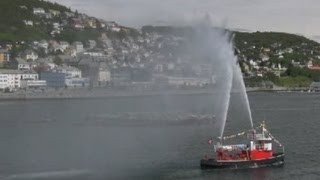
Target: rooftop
[[15, 71], [4, 51]]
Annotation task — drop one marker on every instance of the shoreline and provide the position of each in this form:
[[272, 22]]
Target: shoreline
[[112, 93]]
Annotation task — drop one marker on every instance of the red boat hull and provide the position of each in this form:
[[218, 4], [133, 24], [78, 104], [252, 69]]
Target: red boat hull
[[276, 160]]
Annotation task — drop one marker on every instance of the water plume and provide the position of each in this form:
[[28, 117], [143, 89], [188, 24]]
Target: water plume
[[214, 46], [239, 87]]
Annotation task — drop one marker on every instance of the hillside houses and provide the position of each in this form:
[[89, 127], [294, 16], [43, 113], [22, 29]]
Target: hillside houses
[[76, 50]]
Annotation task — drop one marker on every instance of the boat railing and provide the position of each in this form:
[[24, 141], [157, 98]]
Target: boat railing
[[266, 135]]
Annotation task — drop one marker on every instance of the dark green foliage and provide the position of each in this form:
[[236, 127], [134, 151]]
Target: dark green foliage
[[266, 39], [12, 14], [57, 60], [16, 50], [176, 31], [305, 72], [71, 35], [292, 82]]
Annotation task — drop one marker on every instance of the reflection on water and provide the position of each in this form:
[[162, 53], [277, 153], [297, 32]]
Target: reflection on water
[[47, 175]]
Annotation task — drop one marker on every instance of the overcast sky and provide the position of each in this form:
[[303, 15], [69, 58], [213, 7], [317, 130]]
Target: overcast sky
[[294, 16]]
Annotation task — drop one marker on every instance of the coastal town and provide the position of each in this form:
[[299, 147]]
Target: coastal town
[[117, 57]]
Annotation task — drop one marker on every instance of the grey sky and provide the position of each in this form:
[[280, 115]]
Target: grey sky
[[294, 16]]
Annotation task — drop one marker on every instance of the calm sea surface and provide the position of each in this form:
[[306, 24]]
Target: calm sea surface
[[149, 137]]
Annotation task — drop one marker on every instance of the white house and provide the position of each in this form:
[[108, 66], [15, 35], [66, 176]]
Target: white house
[[28, 22], [116, 29], [70, 71], [29, 54], [54, 12], [38, 11], [43, 44], [56, 25], [23, 64], [78, 46], [92, 44], [63, 45]]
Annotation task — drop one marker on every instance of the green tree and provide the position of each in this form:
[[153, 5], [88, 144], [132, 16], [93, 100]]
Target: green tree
[[58, 61]]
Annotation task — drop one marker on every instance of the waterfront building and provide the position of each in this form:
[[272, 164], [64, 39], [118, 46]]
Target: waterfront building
[[54, 79], [104, 75], [70, 71], [64, 76], [73, 76], [77, 82], [183, 81], [96, 69], [29, 75], [33, 83], [10, 78], [120, 76]]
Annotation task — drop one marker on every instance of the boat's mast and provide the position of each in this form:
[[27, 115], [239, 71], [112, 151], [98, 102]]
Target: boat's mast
[[263, 129]]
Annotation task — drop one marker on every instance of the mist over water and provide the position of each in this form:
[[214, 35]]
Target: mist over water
[[240, 89], [214, 46], [78, 145]]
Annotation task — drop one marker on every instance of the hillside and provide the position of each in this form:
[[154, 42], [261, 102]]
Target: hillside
[[273, 44], [14, 14], [263, 56], [34, 20], [257, 44], [283, 58], [268, 38]]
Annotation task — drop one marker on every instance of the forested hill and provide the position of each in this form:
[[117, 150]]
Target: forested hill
[[265, 54], [264, 39], [280, 48], [14, 14], [24, 22], [267, 39]]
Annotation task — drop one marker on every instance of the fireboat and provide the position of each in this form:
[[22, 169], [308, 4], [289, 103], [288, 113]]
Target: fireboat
[[258, 152]]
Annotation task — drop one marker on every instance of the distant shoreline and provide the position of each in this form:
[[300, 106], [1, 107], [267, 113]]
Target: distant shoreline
[[107, 93]]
